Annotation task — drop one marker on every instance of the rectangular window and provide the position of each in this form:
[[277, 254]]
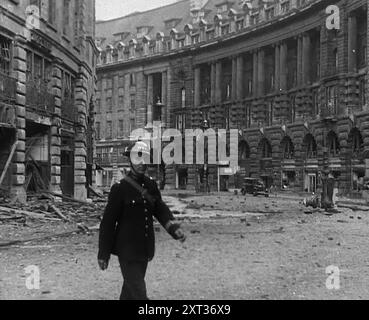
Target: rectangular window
[[38, 71], [133, 103], [315, 102], [121, 128], [293, 108], [51, 11], [248, 72], [227, 79], [121, 103], [332, 101], [98, 105], [5, 55], [121, 82], [98, 130], [109, 130], [132, 79], [109, 105], [362, 92], [205, 84], [132, 125], [183, 98], [66, 19]]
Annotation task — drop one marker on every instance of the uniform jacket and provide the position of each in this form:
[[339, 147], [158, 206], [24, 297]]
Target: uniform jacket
[[127, 228]]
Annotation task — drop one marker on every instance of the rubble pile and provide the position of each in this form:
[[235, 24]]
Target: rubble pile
[[50, 208]]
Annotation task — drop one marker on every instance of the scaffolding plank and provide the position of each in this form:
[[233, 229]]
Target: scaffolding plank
[[8, 162]]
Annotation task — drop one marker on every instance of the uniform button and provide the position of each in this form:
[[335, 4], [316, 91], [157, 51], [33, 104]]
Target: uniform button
[[146, 218], [133, 202], [146, 235]]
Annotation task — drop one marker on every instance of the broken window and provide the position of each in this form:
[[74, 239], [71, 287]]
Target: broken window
[[5, 55]]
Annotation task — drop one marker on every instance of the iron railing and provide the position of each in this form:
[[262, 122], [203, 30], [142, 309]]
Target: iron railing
[[38, 97]]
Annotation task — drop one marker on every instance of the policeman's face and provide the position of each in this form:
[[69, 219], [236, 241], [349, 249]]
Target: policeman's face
[[139, 168]]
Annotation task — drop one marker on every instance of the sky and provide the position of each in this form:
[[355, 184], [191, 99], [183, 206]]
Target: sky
[[110, 9]]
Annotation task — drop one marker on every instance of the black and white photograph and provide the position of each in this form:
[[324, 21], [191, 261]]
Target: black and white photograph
[[184, 150]]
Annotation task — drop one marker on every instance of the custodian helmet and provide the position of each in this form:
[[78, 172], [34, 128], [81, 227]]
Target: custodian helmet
[[139, 147]]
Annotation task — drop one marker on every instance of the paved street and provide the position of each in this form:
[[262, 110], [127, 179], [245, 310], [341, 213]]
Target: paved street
[[237, 248]]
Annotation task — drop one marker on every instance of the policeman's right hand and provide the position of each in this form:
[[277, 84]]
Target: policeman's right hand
[[103, 264]]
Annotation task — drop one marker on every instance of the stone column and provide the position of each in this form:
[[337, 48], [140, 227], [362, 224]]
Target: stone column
[[306, 51], [261, 73], [239, 78], [218, 82], [115, 97], [55, 151], [213, 88], [283, 66], [80, 142], [150, 99], [18, 165], [277, 68], [164, 97], [352, 43], [234, 79], [255, 73], [299, 60], [169, 99], [197, 86]]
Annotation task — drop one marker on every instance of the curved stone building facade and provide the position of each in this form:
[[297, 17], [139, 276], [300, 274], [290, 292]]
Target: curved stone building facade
[[290, 75], [47, 84]]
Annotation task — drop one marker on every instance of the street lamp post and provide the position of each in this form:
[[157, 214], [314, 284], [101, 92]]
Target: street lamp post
[[158, 109], [205, 126]]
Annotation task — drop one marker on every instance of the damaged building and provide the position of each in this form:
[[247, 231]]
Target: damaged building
[[295, 88], [47, 85]]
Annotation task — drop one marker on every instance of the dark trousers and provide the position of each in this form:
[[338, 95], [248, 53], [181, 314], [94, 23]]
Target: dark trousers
[[134, 286]]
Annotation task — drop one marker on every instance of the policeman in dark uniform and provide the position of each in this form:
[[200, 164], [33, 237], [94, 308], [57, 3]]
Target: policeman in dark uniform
[[127, 227]]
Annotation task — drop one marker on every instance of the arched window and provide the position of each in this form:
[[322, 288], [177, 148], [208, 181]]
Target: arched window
[[288, 149], [310, 147], [333, 145], [265, 149]]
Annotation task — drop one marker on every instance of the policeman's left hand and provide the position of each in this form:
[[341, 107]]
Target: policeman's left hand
[[180, 235]]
